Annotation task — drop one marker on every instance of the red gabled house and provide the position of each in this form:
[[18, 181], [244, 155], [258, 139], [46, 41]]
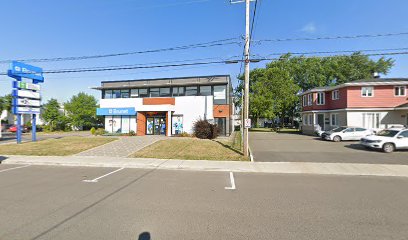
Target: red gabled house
[[370, 103]]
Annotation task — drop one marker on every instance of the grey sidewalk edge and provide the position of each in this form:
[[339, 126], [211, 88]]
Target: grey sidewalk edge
[[348, 169]]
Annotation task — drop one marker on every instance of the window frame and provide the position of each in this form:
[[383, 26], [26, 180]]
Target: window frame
[[310, 99], [335, 95], [399, 91], [196, 90], [336, 118], [164, 95], [320, 96], [367, 87]]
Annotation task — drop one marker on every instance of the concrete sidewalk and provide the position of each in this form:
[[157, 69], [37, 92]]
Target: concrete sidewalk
[[203, 165]]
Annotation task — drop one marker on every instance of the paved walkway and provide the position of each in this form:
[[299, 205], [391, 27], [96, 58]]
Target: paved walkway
[[123, 147], [390, 170]]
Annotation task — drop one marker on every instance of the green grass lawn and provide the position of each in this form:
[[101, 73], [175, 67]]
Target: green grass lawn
[[194, 149], [54, 147]]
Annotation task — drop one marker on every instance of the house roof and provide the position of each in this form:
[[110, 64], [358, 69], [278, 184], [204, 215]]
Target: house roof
[[361, 82], [402, 106], [165, 82]]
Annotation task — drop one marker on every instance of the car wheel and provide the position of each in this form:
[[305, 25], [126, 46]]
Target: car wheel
[[337, 138], [388, 147]]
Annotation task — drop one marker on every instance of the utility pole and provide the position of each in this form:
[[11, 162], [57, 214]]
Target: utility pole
[[246, 82], [245, 104]]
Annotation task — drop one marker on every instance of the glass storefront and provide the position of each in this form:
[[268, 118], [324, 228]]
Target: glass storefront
[[120, 124], [156, 125]]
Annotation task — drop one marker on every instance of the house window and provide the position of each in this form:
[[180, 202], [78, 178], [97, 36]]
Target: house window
[[191, 91], [124, 93], [143, 93], [165, 92], [205, 90], [320, 98], [220, 94], [178, 91], [134, 93], [305, 120], [335, 95], [334, 119], [310, 99], [108, 94], [154, 92], [367, 91], [304, 100], [400, 91], [310, 119], [116, 94]]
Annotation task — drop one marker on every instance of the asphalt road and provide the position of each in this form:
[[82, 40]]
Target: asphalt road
[[54, 203], [289, 147]]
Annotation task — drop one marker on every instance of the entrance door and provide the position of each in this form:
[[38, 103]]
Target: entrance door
[[221, 123], [156, 126], [320, 120]]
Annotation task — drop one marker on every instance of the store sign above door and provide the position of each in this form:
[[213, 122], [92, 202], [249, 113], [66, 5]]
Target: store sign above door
[[115, 111]]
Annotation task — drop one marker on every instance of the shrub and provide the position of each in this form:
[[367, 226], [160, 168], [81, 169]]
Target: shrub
[[205, 130], [100, 131], [93, 131], [132, 133]]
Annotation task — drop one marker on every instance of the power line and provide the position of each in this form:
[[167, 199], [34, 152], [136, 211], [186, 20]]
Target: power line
[[102, 69], [339, 51], [332, 37], [221, 42]]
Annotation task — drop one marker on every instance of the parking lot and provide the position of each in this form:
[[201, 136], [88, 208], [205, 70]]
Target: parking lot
[[293, 147], [38, 202]]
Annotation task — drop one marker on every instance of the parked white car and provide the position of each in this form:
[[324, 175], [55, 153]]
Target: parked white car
[[346, 133], [388, 140]]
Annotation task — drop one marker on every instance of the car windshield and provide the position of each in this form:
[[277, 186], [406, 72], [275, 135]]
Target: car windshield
[[387, 133], [339, 129]]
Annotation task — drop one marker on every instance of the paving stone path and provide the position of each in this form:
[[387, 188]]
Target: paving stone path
[[122, 147]]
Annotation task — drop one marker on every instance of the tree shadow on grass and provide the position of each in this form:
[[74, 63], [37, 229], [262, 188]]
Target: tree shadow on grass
[[229, 147]]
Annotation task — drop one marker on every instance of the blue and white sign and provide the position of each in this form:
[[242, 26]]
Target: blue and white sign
[[19, 70], [115, 111], [26, 95]]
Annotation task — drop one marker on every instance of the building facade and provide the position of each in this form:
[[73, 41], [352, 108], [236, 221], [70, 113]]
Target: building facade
[[166, 106], [371, 103]]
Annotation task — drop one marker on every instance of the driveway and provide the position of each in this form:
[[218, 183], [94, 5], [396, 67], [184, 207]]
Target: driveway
[[292, 147]]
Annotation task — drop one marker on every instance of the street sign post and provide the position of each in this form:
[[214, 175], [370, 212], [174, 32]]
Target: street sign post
[[26, 95], [248, 123]]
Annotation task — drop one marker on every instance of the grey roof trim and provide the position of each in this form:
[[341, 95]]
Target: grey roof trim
[[366, 82]]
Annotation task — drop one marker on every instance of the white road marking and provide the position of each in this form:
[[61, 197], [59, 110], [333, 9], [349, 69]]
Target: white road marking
[[232, 182], [9, 169], [96, 179]]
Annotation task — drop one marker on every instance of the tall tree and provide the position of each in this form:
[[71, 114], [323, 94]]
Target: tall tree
[[52, 116], [81, 110]]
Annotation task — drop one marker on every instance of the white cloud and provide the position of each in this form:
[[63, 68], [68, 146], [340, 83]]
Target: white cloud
[[309, 28]]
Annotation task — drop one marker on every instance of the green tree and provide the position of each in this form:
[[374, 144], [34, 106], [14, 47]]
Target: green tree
[[52, 116], [81, 110]]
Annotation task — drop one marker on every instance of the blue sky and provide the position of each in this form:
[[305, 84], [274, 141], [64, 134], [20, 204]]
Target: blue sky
[[45, 28]]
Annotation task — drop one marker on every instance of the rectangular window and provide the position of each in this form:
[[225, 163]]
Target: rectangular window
[[334, 119], [154, 92], [367, 91], [371, 120], [165, 92], [400, 91], [335, 95], [143, 93], [304, 103], [320, 98], [205, 91], [310, 119], [178, 91], [116, 94], [134, 93], [124, 93], [220, 94], [310, 99], [108, 94], [191, 91]]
